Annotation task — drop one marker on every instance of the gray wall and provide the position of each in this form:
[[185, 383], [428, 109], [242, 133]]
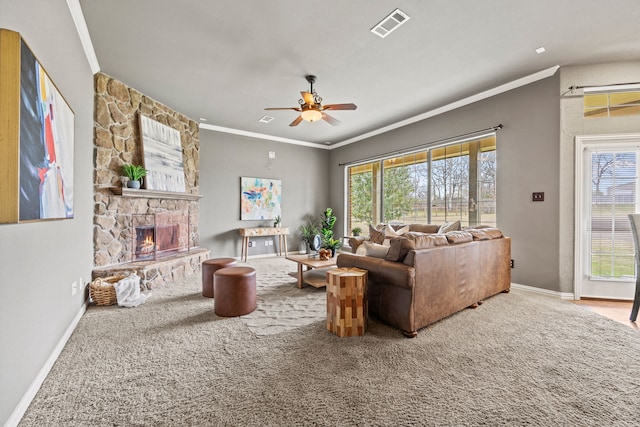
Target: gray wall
[[528, 149], [224, 158], [574, 124], [39, 261]]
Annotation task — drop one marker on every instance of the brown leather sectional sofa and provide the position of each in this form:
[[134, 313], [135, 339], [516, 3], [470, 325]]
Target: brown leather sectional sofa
[[426, 277]]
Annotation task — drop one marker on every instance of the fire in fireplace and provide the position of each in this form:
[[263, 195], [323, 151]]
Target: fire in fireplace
[[166, 235]]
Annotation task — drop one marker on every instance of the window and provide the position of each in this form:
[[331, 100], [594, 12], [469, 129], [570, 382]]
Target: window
[[614, 187], [446, 183], [612, 101]]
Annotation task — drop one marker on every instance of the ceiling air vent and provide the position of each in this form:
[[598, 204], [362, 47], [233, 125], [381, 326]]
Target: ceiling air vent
[[390, 23], [265, 119]]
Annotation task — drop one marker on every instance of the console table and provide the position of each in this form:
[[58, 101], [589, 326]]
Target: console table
[[247, 233]]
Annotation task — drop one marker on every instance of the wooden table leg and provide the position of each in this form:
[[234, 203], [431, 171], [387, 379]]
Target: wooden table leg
[[245, 247], [299, 276], [284, 239]]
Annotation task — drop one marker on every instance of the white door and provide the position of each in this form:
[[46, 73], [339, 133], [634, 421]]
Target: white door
[[607, 191]]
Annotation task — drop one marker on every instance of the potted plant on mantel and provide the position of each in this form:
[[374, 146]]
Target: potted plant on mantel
[[134, 173]]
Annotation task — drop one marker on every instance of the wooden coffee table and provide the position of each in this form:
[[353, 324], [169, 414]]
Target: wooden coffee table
[[317, 278]]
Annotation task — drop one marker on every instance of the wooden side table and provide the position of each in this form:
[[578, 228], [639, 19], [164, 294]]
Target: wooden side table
[[347, 307], [247, 233]]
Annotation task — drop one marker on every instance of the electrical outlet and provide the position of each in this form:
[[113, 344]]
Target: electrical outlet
[[537, 197], [251, 244], [272, 155], [266, 243], [74, 288], [513, 264]]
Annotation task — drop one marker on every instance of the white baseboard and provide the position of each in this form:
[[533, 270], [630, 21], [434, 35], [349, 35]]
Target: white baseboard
[[24, 403], [561, 295]]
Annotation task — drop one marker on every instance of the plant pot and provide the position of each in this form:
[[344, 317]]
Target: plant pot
[[133, 184]]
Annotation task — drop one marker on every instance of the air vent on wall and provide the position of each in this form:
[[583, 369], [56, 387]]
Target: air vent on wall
[[390, 23]]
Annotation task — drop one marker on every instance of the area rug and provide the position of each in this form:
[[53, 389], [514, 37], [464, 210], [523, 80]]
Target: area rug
[[518, 359]]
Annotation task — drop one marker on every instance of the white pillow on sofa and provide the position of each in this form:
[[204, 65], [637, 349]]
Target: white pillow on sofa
[[375, 250], [390, 233]]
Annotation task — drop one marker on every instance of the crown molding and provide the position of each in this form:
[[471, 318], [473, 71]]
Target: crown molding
[[83, 33], [262, 136]]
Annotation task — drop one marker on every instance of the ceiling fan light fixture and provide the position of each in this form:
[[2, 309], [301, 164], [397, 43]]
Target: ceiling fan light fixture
[[311, 115]]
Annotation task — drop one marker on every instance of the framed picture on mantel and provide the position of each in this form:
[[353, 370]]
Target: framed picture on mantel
[[162, 153], [37, 134]]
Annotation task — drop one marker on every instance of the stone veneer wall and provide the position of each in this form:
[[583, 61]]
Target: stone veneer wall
[[117, 141]]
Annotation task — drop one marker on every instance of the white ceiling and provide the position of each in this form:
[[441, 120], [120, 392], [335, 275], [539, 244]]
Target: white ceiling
[[226, 61]]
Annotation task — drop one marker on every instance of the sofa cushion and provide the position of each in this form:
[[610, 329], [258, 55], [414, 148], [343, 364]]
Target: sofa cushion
[[399, 248], [478, 234], [375, 250], [494, 233], [449, 226], [455, 237], [424, 228], [423, 240]]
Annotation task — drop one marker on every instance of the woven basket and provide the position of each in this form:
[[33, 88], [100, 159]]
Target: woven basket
[[102, 291]]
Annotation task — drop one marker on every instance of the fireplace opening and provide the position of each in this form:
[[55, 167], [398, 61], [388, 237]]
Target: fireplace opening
[[159, 235], [145, 242]]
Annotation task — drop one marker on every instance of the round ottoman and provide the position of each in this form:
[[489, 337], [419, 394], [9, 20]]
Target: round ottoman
[[235, 290], [209, 267]]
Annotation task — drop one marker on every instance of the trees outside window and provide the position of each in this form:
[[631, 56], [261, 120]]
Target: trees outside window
[[447, 183]]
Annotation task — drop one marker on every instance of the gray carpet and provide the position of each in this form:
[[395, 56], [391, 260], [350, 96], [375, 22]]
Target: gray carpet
[[519, 359]]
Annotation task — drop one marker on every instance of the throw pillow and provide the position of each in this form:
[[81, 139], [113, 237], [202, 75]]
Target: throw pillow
[[362, 249], [424, 228], [449, 226], [455, 237], [375, 250], [390, 233], [399, 248], [376, 236]]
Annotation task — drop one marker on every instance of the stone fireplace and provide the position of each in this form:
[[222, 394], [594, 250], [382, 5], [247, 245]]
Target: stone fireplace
[[151, 233]]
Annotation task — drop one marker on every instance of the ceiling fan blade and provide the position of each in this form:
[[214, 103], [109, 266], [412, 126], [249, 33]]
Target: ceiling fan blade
[[283, 108], [340, 107], [308, 97], [296, 122], [331, 120]]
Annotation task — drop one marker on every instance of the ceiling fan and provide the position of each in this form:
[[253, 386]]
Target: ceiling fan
[[311, 108]]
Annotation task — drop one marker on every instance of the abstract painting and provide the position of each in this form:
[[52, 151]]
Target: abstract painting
[[46, 145], [260, 198], [162, 152]]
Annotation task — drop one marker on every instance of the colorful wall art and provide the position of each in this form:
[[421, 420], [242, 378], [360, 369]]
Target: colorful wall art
[[38, 138], [162, 152], [260, 198]]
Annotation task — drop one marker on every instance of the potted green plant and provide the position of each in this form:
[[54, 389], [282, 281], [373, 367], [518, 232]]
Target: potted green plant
[[134, 173], [276, 221], [356, 231], [328, 220], [333, 245], [308, 231]]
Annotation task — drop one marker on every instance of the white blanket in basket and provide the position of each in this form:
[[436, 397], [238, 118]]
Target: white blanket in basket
[[128, 291]]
